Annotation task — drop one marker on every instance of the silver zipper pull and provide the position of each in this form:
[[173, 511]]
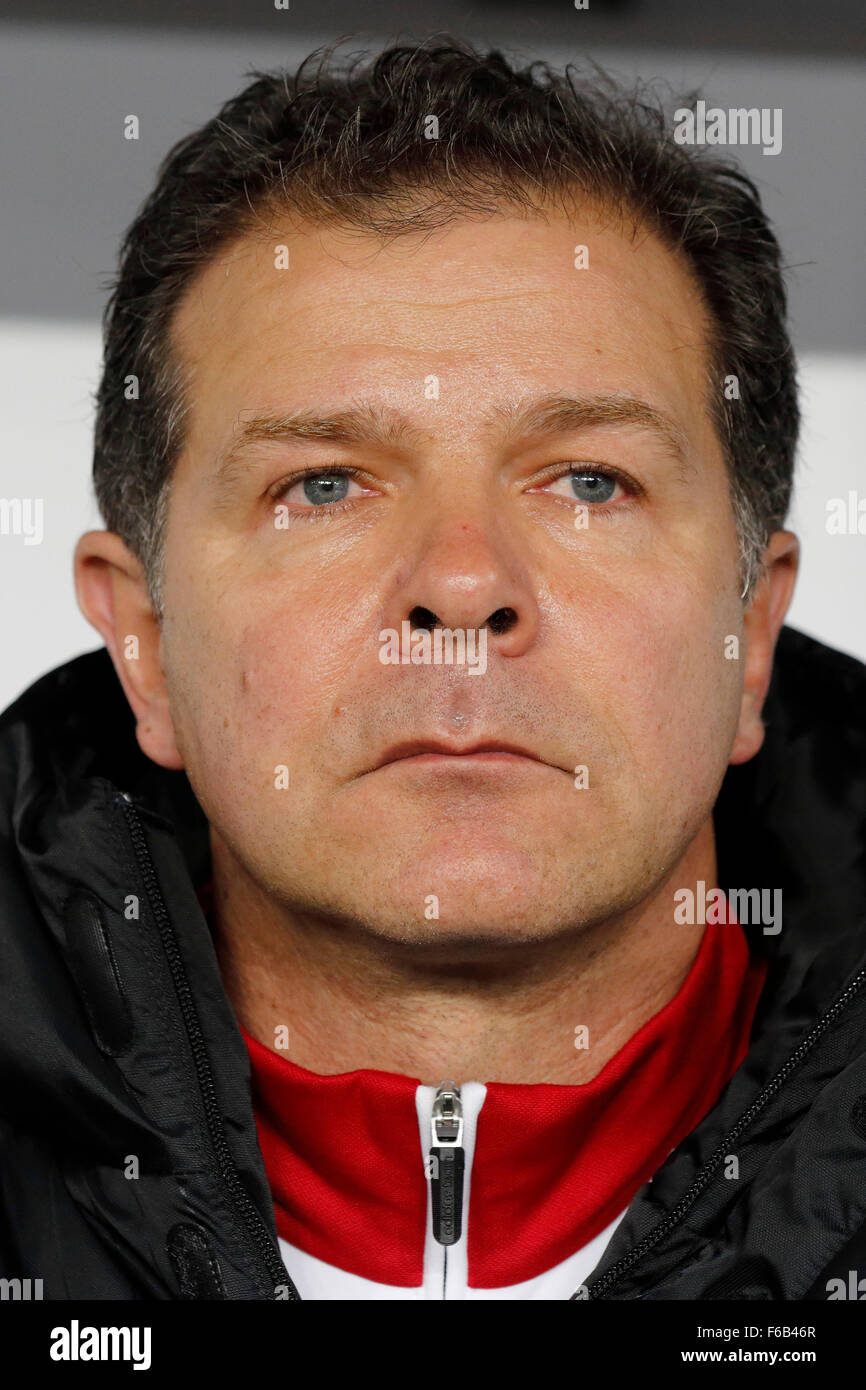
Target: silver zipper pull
[[447, 1162]]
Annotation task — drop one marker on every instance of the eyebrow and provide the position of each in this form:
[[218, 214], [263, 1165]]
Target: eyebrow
[[382, 426], [563, 414], [364, 423]]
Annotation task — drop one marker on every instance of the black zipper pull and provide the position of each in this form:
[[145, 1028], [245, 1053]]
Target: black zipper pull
[[446, 1166]]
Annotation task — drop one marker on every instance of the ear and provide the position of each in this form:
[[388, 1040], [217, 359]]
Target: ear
[[762, 622], [112, 594]]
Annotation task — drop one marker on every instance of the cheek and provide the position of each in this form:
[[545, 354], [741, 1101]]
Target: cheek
[[233, 685], [256, 664], [672, 696], [276, 680]]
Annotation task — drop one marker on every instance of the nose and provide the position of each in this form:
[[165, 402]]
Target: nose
[[467, 574]]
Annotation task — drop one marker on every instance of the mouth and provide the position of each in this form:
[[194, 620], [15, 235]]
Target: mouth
[[437, 751]]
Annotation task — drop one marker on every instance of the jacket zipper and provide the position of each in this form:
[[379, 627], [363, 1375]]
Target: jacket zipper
[[228, 1172], [447, 1161], [625, 1263]]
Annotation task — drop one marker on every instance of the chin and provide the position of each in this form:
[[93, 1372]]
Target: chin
[[499, 901], [464, 936]]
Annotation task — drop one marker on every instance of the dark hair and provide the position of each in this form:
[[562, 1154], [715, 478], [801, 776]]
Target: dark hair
[[346, 143]]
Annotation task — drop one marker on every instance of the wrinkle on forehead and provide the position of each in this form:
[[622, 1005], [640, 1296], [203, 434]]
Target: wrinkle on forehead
[[450, 304]]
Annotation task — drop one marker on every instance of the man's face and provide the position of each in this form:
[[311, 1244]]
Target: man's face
[[476, 493]]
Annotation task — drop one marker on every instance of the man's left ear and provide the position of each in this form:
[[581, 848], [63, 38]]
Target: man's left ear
[[762, 622]]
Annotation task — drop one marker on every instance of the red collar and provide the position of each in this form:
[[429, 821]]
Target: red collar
[[553, 1164]]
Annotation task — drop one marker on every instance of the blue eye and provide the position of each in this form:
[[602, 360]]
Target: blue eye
[[326, 487], [589, 486]]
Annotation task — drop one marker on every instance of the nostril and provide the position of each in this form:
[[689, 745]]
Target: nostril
[[423, 618], [502, 620]]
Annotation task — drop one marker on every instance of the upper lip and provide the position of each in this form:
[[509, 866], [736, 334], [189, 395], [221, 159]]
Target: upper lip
[[412, 747]]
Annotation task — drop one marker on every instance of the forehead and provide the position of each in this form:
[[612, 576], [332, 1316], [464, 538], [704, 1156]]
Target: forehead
[[306, 313]]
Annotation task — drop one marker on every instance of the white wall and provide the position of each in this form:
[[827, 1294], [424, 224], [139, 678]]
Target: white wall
[[830, 599], [48, 372]]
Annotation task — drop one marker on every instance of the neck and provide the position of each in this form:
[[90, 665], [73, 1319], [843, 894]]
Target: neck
[[351, 1000]]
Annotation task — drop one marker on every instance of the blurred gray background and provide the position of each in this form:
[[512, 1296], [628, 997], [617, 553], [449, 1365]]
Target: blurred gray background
[[70, 183]]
